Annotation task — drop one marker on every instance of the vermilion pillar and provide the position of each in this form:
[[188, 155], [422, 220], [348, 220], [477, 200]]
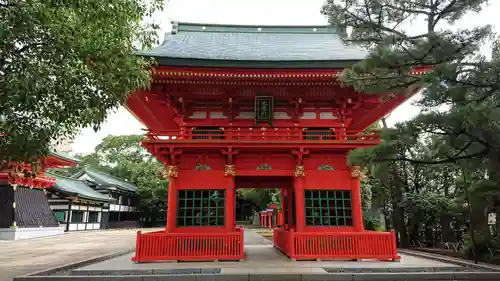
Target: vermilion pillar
[[300, 204], [357, 211], [230, 204], [172, 201], [281, 219], [289, 207]]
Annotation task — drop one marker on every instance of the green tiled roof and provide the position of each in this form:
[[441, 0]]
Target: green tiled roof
[[106, 180], [77, 188], [305, 46]]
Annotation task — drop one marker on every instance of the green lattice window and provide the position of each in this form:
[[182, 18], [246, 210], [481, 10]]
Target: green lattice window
[[201, 208], [328, 207]]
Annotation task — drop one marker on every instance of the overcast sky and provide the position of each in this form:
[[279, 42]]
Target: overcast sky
[[265, 12]]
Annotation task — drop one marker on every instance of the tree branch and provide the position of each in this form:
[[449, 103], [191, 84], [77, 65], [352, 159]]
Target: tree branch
[[442, 161]]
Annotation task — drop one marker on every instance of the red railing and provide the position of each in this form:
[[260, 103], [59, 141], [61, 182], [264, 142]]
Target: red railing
[[342, 245], [265, 134], [158, 246], [283, 240]]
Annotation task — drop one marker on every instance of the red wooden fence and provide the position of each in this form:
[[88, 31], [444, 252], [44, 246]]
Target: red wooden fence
[[341, 245], [158, 246]]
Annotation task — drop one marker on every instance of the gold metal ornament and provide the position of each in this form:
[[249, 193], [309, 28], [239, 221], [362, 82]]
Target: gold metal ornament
[[173, 171], [230, 170], [300, 171], [358, 172]]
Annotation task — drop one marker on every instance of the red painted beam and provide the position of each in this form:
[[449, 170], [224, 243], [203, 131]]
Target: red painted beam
[[142, 111]]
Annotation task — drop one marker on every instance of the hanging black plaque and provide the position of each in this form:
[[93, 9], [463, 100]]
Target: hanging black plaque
[[264, 107]]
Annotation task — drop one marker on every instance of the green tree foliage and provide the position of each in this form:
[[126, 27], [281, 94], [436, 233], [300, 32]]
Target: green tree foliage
[[436, 175], [460, 95], [261, 197], [64, 65]]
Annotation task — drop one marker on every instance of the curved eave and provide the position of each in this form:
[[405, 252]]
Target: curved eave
[[115, 188], [86, 198], [310, 64], [95, 199]]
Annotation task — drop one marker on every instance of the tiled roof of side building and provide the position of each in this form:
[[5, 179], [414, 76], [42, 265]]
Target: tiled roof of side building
[[105, 179], [79, 188], [212, 43]]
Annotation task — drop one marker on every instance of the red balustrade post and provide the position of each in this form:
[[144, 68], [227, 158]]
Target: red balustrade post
[[183, 133], [242, 245], [291, 244], [299, 204], [230, 205], [172, 202], [138, 250], [357, 211], [394, 246], [341, 134]]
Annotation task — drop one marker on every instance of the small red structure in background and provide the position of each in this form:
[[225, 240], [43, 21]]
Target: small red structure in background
[[271, 217], [234, 107], [267, 216]]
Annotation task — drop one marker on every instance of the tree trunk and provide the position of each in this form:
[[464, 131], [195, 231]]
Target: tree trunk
[[445, 220], [446, 230], [399, 217], [414, 231]]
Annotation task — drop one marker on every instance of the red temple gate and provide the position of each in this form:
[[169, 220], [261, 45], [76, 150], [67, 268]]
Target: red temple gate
[[233, 105]]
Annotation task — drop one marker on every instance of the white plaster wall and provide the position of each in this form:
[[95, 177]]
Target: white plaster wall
[[123, 208], [217, 115], [245, 115], [59, 207], [93, 226], [308, 115], [281, 115], [28, 233], [198, 115], [327, 115], [81, 226]]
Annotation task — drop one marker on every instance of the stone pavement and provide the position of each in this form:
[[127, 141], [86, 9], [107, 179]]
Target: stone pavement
[[27, 256], [260, 257], [251, 237]]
